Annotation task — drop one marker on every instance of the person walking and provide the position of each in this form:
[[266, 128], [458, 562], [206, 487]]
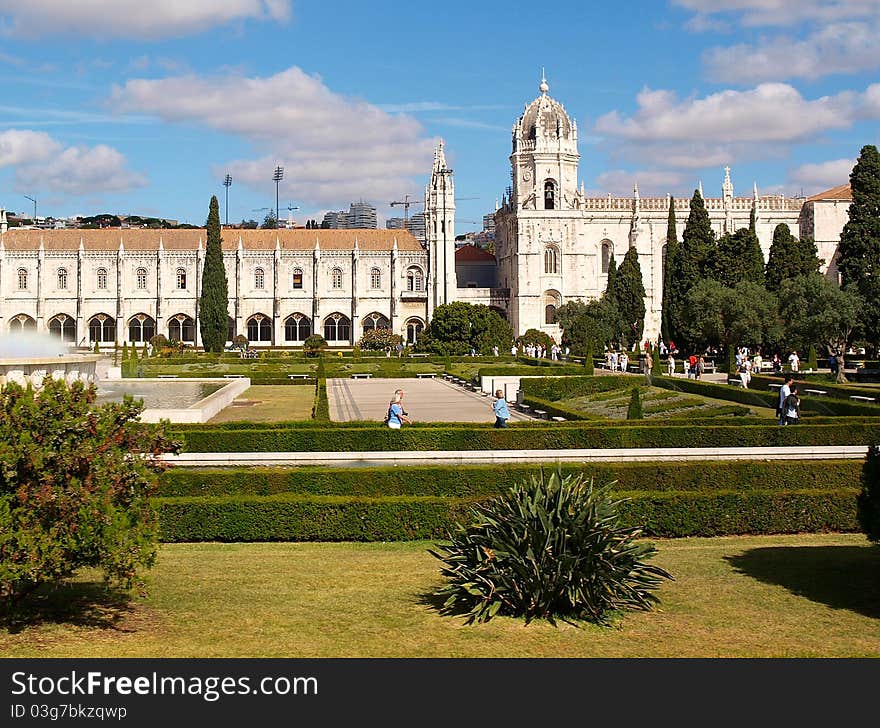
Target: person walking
[[701, 367], [396, 414], [784, 391], [499, 407], [792, 407], [670, 364], [624, 361], [794, 361]]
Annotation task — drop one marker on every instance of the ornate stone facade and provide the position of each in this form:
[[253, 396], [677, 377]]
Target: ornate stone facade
[[126, 285]]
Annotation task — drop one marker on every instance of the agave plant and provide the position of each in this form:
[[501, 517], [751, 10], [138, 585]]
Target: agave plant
[[548, 548]]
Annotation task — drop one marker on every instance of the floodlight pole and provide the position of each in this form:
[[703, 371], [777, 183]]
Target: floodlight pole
[[277, 176], [227, 183], [27, 197]]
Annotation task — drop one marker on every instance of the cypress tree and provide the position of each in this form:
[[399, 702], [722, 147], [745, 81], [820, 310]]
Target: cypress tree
[[739, 258], [634, 411], [753, 222], [693, 262], [628, 294], [214, 301], [668, 268], [612, 273], [789, 258], [588, 361], [859, 262]]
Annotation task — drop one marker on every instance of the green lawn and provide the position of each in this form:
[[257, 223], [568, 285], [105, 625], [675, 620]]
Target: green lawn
[[812, 595], [656, 403], [269, 403]]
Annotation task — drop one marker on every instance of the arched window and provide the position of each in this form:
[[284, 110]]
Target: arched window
[[259, 328], [141, 276], [336, 278], [259, 279], [63, 327], [414, 328], [376, 321], [181, 281], [375, 278], [606, 256], [102, 329], [22, 279], [552, 300], [182, 328], [21, 323], [415, 280], [297, 278], [551, 260], [62, 279], [101, 275], [337, 328], [141, 328], [297, 328], [549, 195]]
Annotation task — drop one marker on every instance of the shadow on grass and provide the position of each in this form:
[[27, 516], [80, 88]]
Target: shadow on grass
[[842, 577], [78, 604]]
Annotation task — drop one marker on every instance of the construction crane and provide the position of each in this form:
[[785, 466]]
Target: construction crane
[[405, 203]]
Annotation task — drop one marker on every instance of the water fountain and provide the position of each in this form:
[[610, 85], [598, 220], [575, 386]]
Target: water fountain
[[28, 358]]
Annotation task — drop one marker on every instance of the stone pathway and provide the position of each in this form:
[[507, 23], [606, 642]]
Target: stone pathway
[[426, 400]]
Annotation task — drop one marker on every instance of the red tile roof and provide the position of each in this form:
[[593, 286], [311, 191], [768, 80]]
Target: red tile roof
[[844, 192], [188, 239], [473, 254]]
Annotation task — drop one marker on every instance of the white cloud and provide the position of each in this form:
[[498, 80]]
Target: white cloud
[[836, 48], [133, 18], [754, 13], [22, 146], [333, 148], [651, 182], [42, 163], [771, 112], [824, 175]]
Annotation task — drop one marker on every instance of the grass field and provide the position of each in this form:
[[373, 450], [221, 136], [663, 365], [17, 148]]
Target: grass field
[[656, 403], [266, 403], [813, 595]]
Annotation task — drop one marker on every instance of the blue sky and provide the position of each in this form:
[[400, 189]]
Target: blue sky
[[142, 107]]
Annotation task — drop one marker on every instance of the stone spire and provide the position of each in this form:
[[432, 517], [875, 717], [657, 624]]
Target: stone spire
[[544, 87], [727, 187], [700, 188]]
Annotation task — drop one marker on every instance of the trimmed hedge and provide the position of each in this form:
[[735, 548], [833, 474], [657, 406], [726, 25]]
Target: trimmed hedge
[[766, 398], [554, 409], [553, 390], [526, 437], [321, 408], [535, 370], [836, 391], [334, 518], [483, 480]]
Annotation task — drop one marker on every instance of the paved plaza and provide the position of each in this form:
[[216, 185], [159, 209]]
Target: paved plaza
[[426, 400]]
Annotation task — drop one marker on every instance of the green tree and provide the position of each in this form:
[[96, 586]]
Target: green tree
[[458, 327], [745, 315], [75, 486], [378, 340], [612, 272], [587, 327], [314, 345], [693, 262], [634, 411], [534, 336], [814, 310], [668, 266], [214, 301], [869, 498], [739, 258], [753, 222], [628, 295], [859, 261], [789, 258], [270, 222]]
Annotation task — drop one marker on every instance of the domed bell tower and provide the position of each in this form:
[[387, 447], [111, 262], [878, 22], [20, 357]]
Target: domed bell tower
[[544, 162]]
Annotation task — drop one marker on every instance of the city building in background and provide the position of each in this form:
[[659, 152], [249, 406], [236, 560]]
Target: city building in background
[[360, 216]]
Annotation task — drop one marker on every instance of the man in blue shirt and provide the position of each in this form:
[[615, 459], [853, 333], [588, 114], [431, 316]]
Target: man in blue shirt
[[502, 413]]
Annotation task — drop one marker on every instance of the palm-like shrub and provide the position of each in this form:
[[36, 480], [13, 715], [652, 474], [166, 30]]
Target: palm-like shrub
[[546, 549]]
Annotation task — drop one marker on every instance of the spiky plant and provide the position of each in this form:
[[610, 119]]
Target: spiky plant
[[549, 548]]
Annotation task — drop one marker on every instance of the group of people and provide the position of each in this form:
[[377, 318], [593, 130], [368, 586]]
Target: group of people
[[616, 361], [789, 407], [397, 415], [540, 351]]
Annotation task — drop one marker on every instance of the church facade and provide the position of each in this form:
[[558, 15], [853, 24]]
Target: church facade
[[553, 244]]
